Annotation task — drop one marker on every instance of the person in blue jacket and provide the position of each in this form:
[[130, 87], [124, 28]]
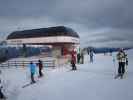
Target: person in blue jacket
[[32, 67]]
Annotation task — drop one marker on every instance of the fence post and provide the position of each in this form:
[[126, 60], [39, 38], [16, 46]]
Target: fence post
[[54, 63], [23, 64], [8, 64], [15, 64]]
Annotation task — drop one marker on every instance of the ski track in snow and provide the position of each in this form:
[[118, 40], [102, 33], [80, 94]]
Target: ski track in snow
[[92, 81]]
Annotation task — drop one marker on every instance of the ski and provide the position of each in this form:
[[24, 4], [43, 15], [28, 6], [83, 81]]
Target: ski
[[3, 98], [119, 76], [71, 70], [28, 84]]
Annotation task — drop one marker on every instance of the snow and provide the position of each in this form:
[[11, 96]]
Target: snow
[[92, 81]]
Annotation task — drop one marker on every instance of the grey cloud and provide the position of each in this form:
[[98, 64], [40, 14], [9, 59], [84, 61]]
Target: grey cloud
[[96, 21], [92, 13], [113, 37]]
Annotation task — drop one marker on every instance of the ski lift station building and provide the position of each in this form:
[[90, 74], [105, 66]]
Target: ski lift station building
[[59, 38]]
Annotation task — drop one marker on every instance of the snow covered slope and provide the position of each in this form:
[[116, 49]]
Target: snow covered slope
[[92, 81]]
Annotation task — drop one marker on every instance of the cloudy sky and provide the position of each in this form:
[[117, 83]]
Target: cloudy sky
[[98, 22]]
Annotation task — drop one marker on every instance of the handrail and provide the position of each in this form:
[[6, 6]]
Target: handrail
[[48, 63]]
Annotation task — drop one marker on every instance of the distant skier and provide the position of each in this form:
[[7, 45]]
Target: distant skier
[[73, 60], [122, 61], [2, 96], [110, 51], [91, 55], [78, 55], [82, 56], [32, 67], [40, 65], [78, 58], [24, 50]]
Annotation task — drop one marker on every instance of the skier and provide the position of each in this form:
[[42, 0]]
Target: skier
[[32, 67], [40, 65], [78, 58], [91, 55], [2, 96], [122, 61], [73, 60], [24, 50], [82, 56], [78, 55]]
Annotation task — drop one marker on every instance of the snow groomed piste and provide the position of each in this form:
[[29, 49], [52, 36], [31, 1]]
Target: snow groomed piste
[[93, 81]]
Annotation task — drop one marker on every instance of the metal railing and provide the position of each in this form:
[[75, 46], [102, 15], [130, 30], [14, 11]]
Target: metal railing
[[19, 64]]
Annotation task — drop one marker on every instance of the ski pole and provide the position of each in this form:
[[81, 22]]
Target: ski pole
[[114, 65], [126, 71]]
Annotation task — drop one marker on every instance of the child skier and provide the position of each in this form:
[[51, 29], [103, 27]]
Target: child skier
[[32, 67], [40, 65]]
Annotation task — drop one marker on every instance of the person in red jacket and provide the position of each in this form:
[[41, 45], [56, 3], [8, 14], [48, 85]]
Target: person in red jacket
[[73, 59]]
